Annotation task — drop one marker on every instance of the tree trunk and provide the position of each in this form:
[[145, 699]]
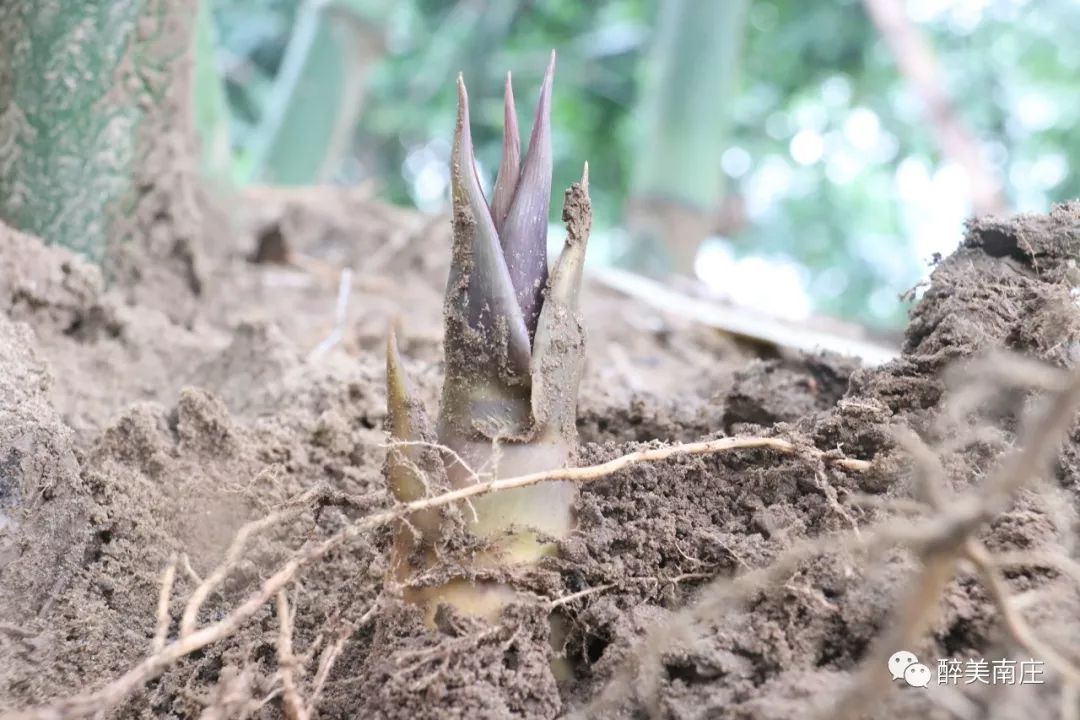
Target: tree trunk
[[678, 186], [98, 151]]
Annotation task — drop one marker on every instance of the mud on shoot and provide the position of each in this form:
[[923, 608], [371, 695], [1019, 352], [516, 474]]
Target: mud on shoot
[[514, 349]]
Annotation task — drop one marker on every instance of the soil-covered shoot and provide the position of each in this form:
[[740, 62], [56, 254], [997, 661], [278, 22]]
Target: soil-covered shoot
[[513, 358]]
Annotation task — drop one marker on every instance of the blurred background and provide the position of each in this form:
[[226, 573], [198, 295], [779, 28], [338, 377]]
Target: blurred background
[[801, 158]]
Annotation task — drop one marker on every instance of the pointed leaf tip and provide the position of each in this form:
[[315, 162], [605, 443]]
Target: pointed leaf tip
[[462, 102], [462, 144], [402, 424], [524, 232], [411, 463], [510, 169], [397, 391]]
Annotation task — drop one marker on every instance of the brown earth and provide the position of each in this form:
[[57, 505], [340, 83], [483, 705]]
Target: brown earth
[[128, 441]]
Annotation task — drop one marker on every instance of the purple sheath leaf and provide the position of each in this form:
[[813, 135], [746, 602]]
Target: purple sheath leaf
[[479, 291], [507, 182], [524, 233]]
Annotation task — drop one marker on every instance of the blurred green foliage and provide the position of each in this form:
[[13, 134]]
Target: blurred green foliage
[[307, 122], [830, 154]]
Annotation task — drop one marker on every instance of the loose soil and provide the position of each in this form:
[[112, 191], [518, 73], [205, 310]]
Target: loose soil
[[129, 439]]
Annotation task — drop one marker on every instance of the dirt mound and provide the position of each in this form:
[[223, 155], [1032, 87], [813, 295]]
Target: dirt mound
[[792, 645], [133, 449]]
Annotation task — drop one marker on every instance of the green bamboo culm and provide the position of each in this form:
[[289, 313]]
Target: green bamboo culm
[[83, 87], [211, 104], [318, 93], [677, 183]]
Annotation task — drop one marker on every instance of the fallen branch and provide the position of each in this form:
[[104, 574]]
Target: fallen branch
[[741, 321]]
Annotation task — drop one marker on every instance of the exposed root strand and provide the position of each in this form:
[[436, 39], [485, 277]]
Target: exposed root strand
[[164, 598], [193, 638], [294, 706]]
